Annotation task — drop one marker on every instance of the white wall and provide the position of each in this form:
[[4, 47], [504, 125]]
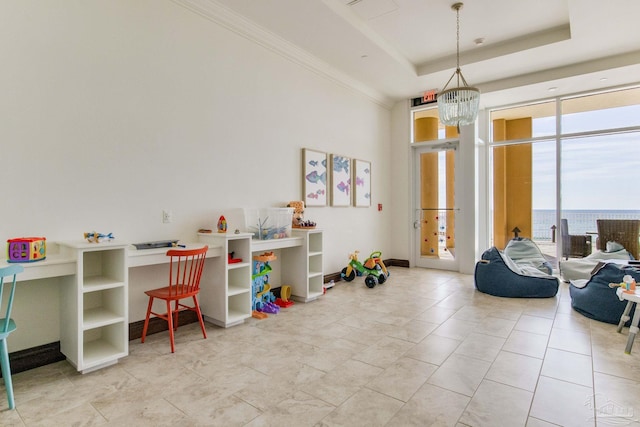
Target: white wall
[[402, 180], [115, 110]]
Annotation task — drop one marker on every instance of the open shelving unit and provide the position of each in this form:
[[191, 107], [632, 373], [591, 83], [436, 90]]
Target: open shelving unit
[[94, 309], [227, 301], [303, 269]]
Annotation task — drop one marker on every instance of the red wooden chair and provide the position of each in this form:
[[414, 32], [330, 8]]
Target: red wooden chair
[[185, 270]]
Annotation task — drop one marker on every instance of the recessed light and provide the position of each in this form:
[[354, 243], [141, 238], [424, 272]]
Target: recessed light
[[603, 79], [364, 56], [553, 89], [479, 41]]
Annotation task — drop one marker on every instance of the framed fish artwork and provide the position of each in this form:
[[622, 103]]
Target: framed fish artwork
[[362, 183], [340, 180], [314, 177]]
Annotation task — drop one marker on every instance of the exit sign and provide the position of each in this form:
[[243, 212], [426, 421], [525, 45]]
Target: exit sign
[[428, 97]]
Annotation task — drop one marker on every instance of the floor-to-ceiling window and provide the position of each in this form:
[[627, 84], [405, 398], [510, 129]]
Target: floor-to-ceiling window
[[559, 165], [523, 161]]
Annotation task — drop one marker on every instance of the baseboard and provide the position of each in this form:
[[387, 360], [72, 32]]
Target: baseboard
[[332, 276], [159, 325], [50, 353], [397, 263], [34, 357]]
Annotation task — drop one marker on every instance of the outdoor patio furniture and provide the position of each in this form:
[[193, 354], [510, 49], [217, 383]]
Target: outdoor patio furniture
[[624, 231], [497, 274], [574, 245]]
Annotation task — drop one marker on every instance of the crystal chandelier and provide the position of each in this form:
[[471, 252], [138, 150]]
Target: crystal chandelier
[[458, 106]]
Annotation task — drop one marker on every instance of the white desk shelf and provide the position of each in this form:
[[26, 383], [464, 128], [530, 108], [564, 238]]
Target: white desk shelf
[[303, 269], [94, 321], [144, 257], [273, 244], [98, 317], [56, 265], [227, 300]]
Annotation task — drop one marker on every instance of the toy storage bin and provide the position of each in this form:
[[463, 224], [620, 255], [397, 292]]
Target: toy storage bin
[[269, 223]]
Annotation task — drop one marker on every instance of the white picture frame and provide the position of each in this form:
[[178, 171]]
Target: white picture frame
[[361, 183], [314, 177], [340, 181]]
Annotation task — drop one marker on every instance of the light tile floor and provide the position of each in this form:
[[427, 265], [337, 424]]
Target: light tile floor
[[423, 349]]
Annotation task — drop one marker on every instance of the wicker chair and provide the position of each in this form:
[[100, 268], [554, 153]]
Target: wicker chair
[[624, 231], [574, 245]]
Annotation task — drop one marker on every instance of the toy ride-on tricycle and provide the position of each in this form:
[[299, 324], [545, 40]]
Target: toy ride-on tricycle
[[373, 268]]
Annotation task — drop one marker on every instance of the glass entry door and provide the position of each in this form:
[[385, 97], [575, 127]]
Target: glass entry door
[[434, 206]]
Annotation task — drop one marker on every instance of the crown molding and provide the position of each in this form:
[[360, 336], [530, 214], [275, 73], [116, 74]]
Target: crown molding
[[232, 21]]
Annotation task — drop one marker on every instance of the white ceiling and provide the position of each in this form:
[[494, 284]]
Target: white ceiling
[[396, 49]]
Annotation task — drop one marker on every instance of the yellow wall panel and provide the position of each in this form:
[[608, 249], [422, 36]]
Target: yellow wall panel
[[425, 129], [512, 178]]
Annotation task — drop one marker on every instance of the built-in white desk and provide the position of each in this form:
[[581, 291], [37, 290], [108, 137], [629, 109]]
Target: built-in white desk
[[94, 288], [57, 265], [52, 266], [94, 295]]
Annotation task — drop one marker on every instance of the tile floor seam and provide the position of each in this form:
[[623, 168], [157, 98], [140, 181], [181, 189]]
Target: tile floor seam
[[99, 412], [565, 381]]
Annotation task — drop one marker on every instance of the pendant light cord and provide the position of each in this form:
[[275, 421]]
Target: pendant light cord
[[458, 43]]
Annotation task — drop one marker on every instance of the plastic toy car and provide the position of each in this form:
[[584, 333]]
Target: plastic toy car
[[373, 268]]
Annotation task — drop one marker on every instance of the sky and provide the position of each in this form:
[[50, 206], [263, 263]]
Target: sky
[[598, 172]]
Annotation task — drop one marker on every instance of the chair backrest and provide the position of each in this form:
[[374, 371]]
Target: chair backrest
[[185, 270], [624, 231], [566, 240], [564, 227], [8, 271]]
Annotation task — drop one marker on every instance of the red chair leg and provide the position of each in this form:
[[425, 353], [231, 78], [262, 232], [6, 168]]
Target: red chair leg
[[146, 319], [170, 321], [175, 319], [197, 307]]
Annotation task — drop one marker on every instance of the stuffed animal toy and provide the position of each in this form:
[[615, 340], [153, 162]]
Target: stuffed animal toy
[[298, 220], [298, 212]]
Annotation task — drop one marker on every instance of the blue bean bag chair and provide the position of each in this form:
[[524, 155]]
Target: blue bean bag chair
[[497, 274], [594, 298]]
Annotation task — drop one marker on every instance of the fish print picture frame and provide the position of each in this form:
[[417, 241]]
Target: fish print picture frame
[[314, 177], [361, 183], [340, 180]]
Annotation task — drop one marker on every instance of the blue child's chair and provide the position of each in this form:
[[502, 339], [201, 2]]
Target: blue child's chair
[[7, 325]]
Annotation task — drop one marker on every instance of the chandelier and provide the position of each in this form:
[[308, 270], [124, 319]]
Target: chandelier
[[458, 106]]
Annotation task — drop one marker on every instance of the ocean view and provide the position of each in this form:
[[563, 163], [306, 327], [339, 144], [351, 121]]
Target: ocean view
[[580, 221]]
